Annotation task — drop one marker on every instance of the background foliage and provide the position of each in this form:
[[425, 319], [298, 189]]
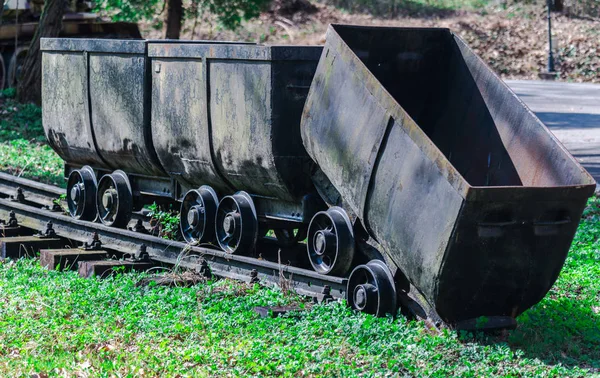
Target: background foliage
[[23, 151], [229, 13]]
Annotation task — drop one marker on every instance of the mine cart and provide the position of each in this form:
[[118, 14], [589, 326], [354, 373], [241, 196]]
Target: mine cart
[[468, 196], [96, 116], [226, 118]]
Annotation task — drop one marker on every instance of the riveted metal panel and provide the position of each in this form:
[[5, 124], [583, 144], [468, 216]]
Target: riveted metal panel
[[101, 88], [93, 45], [341, 139]]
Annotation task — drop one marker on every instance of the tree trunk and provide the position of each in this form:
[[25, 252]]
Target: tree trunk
[[559, 5], [174, 18], [29, 88]]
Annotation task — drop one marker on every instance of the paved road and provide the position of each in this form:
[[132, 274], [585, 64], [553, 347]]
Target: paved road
[[572, 112]]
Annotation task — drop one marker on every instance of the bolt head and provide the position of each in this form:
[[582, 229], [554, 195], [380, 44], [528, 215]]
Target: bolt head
[[108, 200], [75, 193], [193, 217], [360, 297], [229, 224], [320, 243]]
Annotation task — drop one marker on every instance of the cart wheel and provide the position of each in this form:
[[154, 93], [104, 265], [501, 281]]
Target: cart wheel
[[2, 73], [198, 210], [114, 199], [331, 242], [371, 289], [236, 223], [81, 189], [286, 237], [15, 65]]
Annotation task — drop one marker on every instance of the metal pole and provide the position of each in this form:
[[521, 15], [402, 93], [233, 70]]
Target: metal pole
[[550, 55]]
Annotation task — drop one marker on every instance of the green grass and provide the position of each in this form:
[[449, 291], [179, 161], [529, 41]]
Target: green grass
[[59, 324], [31, 160], [168, 220], [23, 151]]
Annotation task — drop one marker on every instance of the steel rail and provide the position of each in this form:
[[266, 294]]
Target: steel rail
[[222, 264], [35, 192]]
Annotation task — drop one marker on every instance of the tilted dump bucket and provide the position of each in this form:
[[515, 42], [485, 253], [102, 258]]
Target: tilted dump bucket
[[465, 190]]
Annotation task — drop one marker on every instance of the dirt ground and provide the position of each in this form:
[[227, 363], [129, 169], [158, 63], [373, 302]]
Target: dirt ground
[[513, 41]]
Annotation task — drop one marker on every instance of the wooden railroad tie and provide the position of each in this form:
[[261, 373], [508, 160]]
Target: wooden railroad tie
[[68, 259], [27, 246]]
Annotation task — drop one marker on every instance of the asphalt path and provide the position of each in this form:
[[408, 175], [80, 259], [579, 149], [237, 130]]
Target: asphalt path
[[571, 111]]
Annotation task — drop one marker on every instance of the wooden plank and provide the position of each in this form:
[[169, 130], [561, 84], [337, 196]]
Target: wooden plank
[[68, 259], [106, 268], [185, 279], [27, 246], [7, 232], [275, 311]]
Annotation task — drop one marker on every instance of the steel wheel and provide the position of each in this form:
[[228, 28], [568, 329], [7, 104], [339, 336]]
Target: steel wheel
[[198, 210], [114, 199], [2, 73], [15, 65], [371, 289], [81, 193], [236, 223], [287, 237], [331, 242]]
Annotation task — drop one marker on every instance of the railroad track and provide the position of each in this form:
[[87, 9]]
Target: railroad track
[[34, 205]]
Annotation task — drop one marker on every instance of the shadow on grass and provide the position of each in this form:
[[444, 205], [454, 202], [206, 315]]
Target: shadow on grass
[[555, 331], [564, 331], [393, 8]]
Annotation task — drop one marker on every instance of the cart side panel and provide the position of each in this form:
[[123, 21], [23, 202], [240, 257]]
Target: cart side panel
[[423, 72], [121, 125], [291, 82], [460, 124], [411, 209], [540, 159], [65, 111], [343, 125], [228, 116], [240, 111], [180, 123], [505, 255]]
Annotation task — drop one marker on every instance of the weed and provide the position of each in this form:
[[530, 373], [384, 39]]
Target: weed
[[593, 207], [61, 202], [167, 221]]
